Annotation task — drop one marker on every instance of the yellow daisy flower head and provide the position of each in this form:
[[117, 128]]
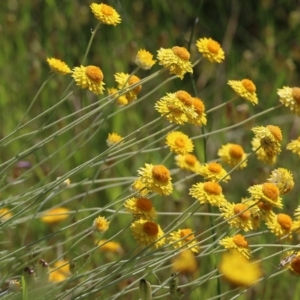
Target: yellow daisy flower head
[[140, 187], [233, 154], [261, 154], [296, 226], [113, 138], [238, 215], [60, 271], [199, 109], [245, 88], [105, 14], [208, 192], [110, 246], [5, 214], [176, 60], [147, 233], [283, 179], [267, 192], [188, 162], [56, 276], [294, 266], [179, 142], [213, 172], [238, 270], [184, 238], [125, 82], [294, 146], [290, 97], [120, 100], [280, 225], [237, 242], [58, 66], [55, 215], [144, 59], [156, 178], [185, 262], [211, 50], [141, 208], [90, 77], [100, 224], [270, 138]]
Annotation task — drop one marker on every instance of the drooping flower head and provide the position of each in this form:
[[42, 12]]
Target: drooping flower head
[[141, 208], [283, 179], [176, 60], [105, 14], [188, 162], [261, 154], [185, 262], [55, 215], [237, 242], [280, 225], [101, 224], [156, 178], [113, 138], [179, 142], [144, 59], [290, 97], [147, 233], [233, 154], [58, 66], [90, 77], [213, 172], [294, 146], [199, 109], [245, 88], [211, 50], [184, 238]]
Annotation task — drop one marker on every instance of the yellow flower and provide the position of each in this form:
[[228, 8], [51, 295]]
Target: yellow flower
[[140, 187], [110, 246], [294, 265], [105, 14], [199, 109], [147, 233], [113, 138], [261, 154], [233, 154], [90, 77], [238, 270], [60, 272], [184, 238], [296, 226], [290, 97], [267, 192], [100, 224], [280, 225], [176, 60], [297, 213], [55, 215], [121, 100], [156, 178], [213, 172], [179, 142], [208, 192], [188, 162], [245, 88], [243, 216], [125, 83], [141, 208], [144, 59], [283, 179], [294, 146], [185, 262], [58, 66], [237, 242], [210, 49], [56, 276], [270, 138], [5, 214]]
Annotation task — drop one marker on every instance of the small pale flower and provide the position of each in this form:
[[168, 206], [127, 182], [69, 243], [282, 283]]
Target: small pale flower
[[270, 138], [110, 246], [100, 224], [294, 146], [147, 233], [90, 77], [156, 178], [233, 154], [185, 262], [245, 88], [58, 66], [237, 242], [199, 109], [105, 14], [213, 172], [184, 238], [121, 100], [210, 49], [290, 97], [280, 225], [55, 215], [283, 179], [208, 192], [179, 142], [261, 154], [141, 208], [144, 59], [188, 162], [113, 138]]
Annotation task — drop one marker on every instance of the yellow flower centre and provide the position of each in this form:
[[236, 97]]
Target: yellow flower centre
[[107, 10], [212, 188], [240, 241], [271, 191], [236, 151], [276, 132], [198, 106], [184, 97], [249, 85], [213, 46], [296, 94], [94, 73], [295, 264], [151, 228], [144, 204], [181, 52], [161, 173], [238, 208], [265, 206], [133, 80], [285, 221], [187, 234], [214, 167], [190, 159], [180, 142]]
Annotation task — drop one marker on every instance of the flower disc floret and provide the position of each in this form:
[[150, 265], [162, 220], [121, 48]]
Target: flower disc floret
[[210, 49], [105, 14], [237, 242], [244, 88], [141, 208], [188, 162], [179, 143], [213, 172], [280, 225], [144, 59], [184, 238], [199, 109], [233, 154]]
